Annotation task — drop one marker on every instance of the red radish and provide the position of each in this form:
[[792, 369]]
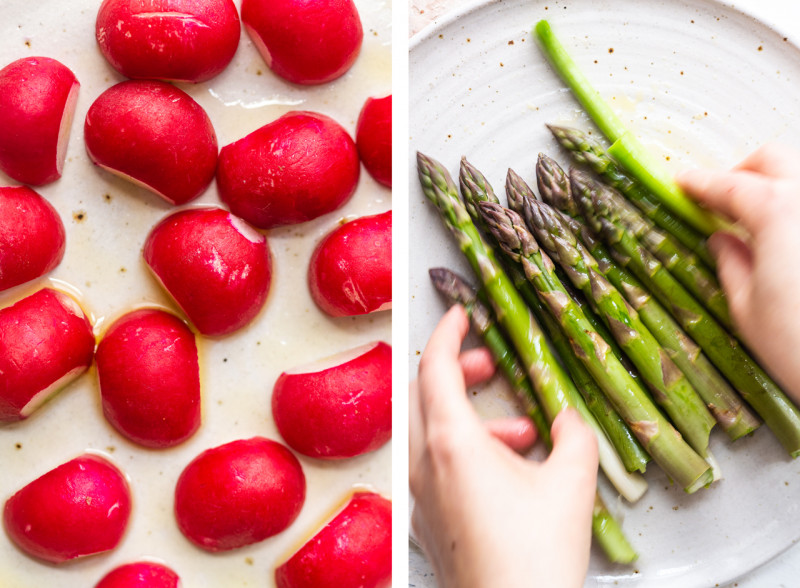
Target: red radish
[[351, 269], [294, 169], [338, 408], [142, 574], [239, 493], [46, 342], [213, 264], [305, 42], [37, 102], [180, 40], [32, 237], [149, 378], [79, 508], [374, 138], [354, 549], [154, 135]]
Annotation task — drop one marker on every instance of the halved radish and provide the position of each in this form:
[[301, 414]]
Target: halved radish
[[149, 378], [79, 508], [46, 342], [213, 264], [374, 138], [351, 269], [292, 170], [339, 408], [353, 549], [37, 102], [182, 40], [305, 42], [140, 574], [32, 237], [154, 135], [239, 493]]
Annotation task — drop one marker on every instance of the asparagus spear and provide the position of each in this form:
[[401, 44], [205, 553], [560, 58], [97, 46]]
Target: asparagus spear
[[600, 204], [723, 402], [456, 291], [585, 149], [670, 388], [555, 391], [475, 188], [605, 528], [653, 430], [625, 147]]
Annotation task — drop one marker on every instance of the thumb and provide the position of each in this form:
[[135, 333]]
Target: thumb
[[734, 267], [574, 447]]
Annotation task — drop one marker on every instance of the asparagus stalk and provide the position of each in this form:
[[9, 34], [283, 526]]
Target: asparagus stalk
[[605, 528], [670, 387], [653, 430], [723, 402], [625, 148], [584, 149], [456, 291], [475, 188], [555, 391], [600, 205]]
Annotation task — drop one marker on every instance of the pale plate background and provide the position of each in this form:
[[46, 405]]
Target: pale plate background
[[103, 262], [703, 83]]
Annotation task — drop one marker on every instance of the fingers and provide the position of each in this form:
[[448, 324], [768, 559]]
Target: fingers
[[574, 446], [734, 268], [416, 432], [442, 387], [741, 195], [772, 159], [477, 365], [518, 433]]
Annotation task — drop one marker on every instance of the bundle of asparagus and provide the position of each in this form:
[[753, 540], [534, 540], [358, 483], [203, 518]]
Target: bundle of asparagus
[[609, 266]]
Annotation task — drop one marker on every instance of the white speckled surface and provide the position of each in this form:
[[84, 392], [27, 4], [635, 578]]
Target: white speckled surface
[[720, 138]]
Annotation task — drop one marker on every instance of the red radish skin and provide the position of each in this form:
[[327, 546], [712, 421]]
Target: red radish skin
[[292, 170], [182, 40], [46, 342], [239, 493], [154, 135], [340, 409], [80, 508], [305, 42], [351, 269], [149, 378], [215, 266], [37, 103], [143, 574], [32, 237], [354, 549], [374, 138]]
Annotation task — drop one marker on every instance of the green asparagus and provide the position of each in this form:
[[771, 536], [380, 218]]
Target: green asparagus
[[659, 438], [599, 205]]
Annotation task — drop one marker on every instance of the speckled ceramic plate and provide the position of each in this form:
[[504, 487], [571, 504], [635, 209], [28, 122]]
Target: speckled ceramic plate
[[702, 84], [107, 220]]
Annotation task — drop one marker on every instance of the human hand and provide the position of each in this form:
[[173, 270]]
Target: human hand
[[762, 195], [485, 515]]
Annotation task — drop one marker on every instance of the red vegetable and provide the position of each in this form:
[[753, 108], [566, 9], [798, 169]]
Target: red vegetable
[[339, 408], [37, 102], [32, 237], [149, 378], [351, 269], [305, 42], [239, 493], [292, 170], [80, 508], [179, 40], [374, 138], [143, 574], [354, 549]]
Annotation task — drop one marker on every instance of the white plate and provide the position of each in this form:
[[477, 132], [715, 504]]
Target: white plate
[[703, 84], [103, 261]]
